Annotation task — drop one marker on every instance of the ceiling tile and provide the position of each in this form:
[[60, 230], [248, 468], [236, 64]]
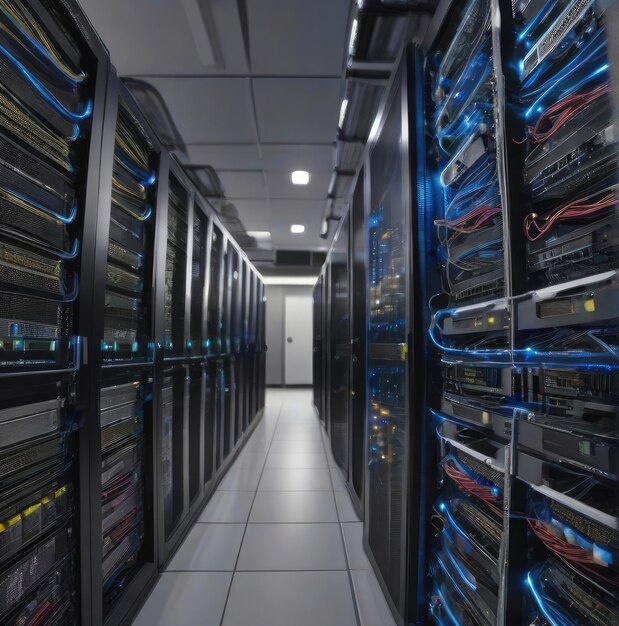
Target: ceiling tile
[[209, 110], [243, 184], [225, 157], [280, 186], [287, 158], [154, 36], [287, 212], [310, 36], [253, 213], [297, 110]]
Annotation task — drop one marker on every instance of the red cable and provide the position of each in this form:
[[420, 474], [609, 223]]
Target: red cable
[[570, 210], [474, 219], [561, 112]]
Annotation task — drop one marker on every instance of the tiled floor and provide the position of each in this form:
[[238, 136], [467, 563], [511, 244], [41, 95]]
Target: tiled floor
[[279, 543]]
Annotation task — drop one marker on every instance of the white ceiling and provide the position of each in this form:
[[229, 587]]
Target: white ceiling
[[254, 119]]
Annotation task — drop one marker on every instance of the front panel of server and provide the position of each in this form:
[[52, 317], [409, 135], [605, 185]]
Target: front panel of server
[[566, 311], [524, 322], [387, 369], [47, 90]]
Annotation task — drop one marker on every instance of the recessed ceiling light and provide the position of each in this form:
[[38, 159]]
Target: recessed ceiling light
[[300, 177], [297, 228], [260, 235]]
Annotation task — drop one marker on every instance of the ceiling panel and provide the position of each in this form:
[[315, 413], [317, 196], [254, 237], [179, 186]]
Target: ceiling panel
[[209, 110], [243, 184], [286, 212], [154, 36], [254, 214], [310, 36], [225, 157], [280, 186], [287, 158], [297, 110]]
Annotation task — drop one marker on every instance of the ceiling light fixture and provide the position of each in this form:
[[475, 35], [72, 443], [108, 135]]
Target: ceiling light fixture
[[297, 229], [342, 113], [300, 177]]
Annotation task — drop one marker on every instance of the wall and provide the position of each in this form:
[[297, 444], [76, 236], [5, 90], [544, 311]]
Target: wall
[[275, 330]]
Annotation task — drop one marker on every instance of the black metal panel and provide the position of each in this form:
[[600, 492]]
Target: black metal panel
[[359, 336], [339, 343]]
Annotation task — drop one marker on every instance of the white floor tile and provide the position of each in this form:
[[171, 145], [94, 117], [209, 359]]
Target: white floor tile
[[345, 510], [238, 479], [281, 547], [337, 479], [209, 547], [297, 479], [371, 603], [186, 598], [290, 599], [283, 507], [228, 507], [353, 541], [289, 460]]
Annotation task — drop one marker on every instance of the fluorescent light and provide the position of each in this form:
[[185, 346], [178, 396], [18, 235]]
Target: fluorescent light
[[260, 235], [297, 228], [290, 280], [300, 177], [353, 38], [342, 113]]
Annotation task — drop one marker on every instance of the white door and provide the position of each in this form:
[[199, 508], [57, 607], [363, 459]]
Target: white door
[[298, 336]]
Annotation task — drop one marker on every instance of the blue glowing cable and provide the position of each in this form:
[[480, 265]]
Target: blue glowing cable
[[540, 602], [591, 48], [46, 94], [57, 216], [533, 22], [145, 177], [538, 107], [448, 610], [79, 77], [529, 354]]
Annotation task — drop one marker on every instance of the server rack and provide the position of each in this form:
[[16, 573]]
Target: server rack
[[52, 105], [518, 395], [512, 221], [339, 348], [100, 346]]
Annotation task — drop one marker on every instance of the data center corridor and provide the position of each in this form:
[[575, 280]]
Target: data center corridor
[[279, 543]]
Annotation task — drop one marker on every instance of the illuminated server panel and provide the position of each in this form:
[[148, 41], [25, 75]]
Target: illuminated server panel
[[472, 423], [49, 78], [567, 318], [525, 520]]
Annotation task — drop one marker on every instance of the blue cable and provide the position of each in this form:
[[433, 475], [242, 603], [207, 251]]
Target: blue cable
[[41, 50], [46, 93]]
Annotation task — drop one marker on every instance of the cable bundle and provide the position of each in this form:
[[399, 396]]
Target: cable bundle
[[536, 226], [555, 116], [567, 551], [473, 485]]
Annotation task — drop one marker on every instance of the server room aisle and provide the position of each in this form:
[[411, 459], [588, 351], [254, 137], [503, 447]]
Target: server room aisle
[[279, 544]]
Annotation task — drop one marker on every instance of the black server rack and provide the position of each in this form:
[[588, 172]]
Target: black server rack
[[121, 412], [490, 262], [52, 101], [339, 348], [524, 159], [111, 332], [317, 346]]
